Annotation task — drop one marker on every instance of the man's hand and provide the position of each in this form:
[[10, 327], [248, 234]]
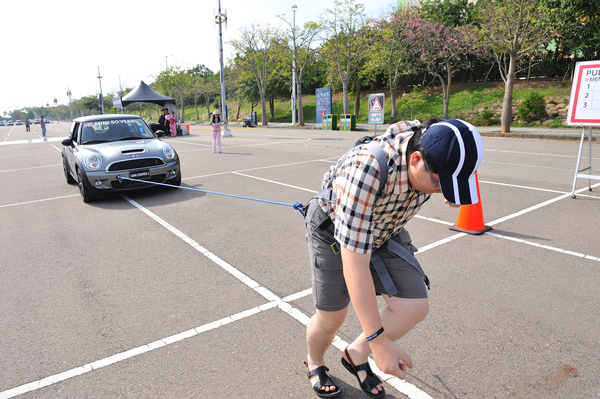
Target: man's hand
[[390, 358]]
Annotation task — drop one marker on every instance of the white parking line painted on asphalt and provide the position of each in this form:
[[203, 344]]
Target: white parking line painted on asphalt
[[508, 217], [119, 357], [274, 182], [402, 386], [273, 301], [33, 167], [37, 201]]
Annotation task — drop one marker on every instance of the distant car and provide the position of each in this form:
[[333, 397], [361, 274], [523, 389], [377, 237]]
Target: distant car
[[18, 122], [103, 152], [2, 123], [10, 123], [36, 122]]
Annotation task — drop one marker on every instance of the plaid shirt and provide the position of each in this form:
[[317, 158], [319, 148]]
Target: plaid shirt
[[363, 221]]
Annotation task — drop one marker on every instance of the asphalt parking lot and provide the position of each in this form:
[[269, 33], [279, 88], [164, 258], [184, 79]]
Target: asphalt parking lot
[[175, 293]]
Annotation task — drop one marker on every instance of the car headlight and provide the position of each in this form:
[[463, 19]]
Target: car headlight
[[93, 161], [169, 152]]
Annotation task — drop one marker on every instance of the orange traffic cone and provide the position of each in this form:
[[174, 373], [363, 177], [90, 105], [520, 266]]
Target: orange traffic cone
[[470, 217]]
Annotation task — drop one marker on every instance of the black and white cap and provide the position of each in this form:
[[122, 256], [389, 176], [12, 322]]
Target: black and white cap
[[456, 147]]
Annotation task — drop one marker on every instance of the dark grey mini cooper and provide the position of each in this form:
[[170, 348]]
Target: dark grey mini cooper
[[112, 153]]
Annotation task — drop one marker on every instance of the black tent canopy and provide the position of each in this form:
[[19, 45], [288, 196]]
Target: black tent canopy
[[145, 94]]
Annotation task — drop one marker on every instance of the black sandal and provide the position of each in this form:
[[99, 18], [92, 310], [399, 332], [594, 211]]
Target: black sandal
[[324, 381], [370, 382]]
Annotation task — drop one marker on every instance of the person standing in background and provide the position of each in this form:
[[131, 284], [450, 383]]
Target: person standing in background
[[43, 126], [27, 125], [173, 121], [216, 124], [162, 122], [167, 122]]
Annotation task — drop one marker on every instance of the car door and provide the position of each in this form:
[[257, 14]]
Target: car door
[[71, 151]]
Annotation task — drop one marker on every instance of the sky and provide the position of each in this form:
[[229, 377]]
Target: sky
[[50, 47]]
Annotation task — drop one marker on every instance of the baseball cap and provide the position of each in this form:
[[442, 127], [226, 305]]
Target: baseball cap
[[456, 147]]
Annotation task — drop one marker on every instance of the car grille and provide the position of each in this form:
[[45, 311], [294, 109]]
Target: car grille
[[135, 164], [128, 184]]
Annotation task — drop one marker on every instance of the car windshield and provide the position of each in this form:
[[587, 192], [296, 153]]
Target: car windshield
[[114, 130]]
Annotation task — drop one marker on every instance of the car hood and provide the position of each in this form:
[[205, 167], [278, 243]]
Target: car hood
[[120, 150]]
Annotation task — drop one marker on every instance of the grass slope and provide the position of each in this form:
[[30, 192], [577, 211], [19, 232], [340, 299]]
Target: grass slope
[[479, 103]]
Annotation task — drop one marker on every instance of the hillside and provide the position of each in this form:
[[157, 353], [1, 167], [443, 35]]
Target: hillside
[[478, 102]]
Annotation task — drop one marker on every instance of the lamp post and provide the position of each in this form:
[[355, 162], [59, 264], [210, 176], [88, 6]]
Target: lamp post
[[220, 19], [70, 108], [166, 63], [56, 108], [294, 66], [101, 99]]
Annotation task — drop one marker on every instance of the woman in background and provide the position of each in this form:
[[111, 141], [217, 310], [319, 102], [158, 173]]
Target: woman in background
[[216, 124], [173, 122]]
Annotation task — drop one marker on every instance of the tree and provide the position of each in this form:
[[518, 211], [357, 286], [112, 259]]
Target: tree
[[448, 12], [257, 53], [177, 83], [204, 85], [514, 28], [411, 101], [303, 52], [443, 49], [390, 50], [577, 25], [347, 40]]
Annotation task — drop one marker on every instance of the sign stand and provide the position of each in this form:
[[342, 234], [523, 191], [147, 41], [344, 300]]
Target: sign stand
[[376, 109], [578, 172], [584, 110]]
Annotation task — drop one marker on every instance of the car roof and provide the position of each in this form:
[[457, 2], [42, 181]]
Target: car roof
[[110, 117]]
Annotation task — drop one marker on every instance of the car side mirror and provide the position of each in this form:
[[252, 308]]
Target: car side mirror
[[67, 142], [159, 133]]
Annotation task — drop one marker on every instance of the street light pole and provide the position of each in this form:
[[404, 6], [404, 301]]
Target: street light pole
[[294, 66], [101, 98], [56, 108], [70, 108], [219, 19]]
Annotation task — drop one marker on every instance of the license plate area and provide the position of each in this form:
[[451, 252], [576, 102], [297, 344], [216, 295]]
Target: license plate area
[[140, 174]]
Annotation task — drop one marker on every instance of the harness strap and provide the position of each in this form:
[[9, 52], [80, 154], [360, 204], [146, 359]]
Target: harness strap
[[397, 249], [384, 275]]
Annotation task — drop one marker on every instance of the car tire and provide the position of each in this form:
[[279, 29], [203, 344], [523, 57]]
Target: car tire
[[68, 177], [84, 188]]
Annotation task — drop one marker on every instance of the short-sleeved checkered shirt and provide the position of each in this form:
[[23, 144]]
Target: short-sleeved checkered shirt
[[363, 221]]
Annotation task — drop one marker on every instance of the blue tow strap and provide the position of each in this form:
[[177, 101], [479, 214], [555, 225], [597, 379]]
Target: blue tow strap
[[298, 206]]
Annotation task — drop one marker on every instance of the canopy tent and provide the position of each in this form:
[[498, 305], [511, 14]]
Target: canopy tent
[[145, 94]]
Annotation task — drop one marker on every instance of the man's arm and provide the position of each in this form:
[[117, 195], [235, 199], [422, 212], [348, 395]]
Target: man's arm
[[388, 356]]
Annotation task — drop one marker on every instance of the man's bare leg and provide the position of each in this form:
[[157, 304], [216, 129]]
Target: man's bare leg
[[319, 335]]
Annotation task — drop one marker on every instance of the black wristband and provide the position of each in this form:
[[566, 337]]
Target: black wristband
[[377, 334]]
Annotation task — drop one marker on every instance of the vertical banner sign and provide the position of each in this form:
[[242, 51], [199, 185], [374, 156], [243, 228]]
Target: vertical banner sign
[[376, 110], [584, 103], [323, 100], [116, 102]]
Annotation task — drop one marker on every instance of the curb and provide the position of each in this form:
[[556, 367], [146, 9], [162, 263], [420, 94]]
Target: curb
[[541, 133]]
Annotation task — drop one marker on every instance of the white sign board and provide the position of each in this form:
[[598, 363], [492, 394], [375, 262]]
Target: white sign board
[[376, 110], [584, 103], [116, 102]]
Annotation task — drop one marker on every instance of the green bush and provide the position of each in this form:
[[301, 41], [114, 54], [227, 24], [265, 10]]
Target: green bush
[[533, 108], [486, 114]]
